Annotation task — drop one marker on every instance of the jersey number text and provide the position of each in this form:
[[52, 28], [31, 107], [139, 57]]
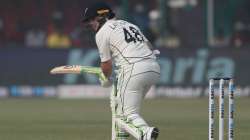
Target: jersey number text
[[132, 34]]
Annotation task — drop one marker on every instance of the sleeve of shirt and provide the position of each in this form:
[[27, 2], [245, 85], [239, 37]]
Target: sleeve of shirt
[[102, 41]]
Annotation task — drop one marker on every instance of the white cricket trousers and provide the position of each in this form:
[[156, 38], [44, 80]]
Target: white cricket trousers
[[133, 82]]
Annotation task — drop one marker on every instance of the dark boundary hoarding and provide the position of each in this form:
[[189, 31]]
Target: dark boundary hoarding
[[180, 67]]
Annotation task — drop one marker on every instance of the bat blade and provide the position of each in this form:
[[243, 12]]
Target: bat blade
[[75, 69]]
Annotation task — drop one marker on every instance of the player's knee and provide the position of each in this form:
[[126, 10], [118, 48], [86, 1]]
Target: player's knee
[[136, 119], [132, 116], [131, 110]]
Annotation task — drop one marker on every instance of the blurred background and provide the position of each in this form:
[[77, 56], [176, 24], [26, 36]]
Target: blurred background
[[198, 39]]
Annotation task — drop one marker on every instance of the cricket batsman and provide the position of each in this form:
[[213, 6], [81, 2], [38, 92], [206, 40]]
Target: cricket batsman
[[123, 44]]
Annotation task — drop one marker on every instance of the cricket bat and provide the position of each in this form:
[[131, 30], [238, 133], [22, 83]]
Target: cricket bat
[[78, 69]]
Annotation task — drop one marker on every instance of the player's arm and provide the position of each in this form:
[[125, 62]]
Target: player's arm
[[105, 56], [107, 68], [102, 41]]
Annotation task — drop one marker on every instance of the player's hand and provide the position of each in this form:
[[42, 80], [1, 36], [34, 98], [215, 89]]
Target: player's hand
[[105, 82]]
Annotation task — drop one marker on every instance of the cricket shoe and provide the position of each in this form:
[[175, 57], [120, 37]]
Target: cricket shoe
[[152, 134]]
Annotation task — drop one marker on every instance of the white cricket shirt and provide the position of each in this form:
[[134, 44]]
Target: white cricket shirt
[[123, 42]]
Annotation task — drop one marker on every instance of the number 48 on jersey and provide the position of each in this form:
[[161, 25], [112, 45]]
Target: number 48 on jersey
[[133, 35]]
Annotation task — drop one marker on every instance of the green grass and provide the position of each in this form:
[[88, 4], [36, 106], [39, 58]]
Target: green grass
[[51, 119]]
